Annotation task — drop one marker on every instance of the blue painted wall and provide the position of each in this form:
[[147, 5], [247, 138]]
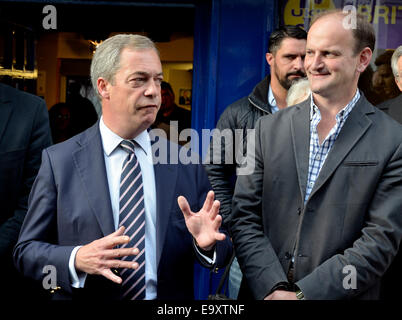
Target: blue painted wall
[[230, 42]]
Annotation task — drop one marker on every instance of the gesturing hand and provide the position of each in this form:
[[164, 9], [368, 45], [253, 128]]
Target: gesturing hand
[[203, 225], [98, 257]]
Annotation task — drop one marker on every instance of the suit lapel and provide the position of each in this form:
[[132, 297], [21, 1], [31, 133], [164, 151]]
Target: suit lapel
[[90, 164], [301, 141], [5, 112], [355, 126], [165, 182]]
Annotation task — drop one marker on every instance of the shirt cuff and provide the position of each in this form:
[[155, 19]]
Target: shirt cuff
[[207, 259], [77, 280], [281, 286]]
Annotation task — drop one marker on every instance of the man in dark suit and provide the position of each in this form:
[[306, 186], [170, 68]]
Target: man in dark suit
[[24, 133], [103, 209], [320, 217]]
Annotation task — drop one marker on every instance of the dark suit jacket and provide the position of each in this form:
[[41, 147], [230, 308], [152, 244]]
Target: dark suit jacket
[[353, 216], [393, 107], [70, 205], [24, 133]]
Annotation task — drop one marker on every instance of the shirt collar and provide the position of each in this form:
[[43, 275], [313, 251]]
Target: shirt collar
[[111, 140], [271, 100], [342, 114]]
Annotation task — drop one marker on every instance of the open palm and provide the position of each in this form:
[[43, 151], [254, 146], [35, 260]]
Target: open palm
[[204, 224]]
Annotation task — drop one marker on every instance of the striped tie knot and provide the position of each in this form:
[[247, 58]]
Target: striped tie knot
[[128, 146]]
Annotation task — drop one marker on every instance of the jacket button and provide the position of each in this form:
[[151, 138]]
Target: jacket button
[[299, 211]]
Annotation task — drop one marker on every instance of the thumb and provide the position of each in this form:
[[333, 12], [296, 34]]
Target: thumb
[[184, 206]]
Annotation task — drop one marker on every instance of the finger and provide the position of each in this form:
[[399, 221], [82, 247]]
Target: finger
[[216, 223], [117, 253], [220, 236], [120, 264], [118, 232], [215, 209], [116, 241], [107, 273], [184, 206], [208, 201]]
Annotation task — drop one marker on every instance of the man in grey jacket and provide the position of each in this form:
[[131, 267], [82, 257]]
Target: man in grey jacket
[[320, 216], [285, 57]]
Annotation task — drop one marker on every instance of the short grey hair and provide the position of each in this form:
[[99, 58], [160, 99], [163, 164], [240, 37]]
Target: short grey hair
[[106, 60], [394, 61], [298, 92]]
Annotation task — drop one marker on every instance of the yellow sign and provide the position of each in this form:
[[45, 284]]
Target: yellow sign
[[294, 14]]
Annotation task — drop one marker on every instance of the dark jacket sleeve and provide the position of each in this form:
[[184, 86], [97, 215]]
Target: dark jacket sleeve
[[220, 160], [36, 247], [39, 138]]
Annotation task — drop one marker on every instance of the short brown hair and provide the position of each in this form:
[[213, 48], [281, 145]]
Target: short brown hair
[[363, 33]]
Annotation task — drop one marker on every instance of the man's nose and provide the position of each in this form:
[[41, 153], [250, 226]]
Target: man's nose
[[315, 62], [153, 88], [299, 64]]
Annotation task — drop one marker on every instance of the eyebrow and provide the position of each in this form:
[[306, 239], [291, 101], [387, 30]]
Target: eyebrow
[[335, 51], [143, 73]]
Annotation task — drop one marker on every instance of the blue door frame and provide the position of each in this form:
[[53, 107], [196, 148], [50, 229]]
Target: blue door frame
[[230, 42]]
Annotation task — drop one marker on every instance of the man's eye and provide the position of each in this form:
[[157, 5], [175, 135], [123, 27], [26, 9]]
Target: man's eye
[[329, 54], [137, 81]]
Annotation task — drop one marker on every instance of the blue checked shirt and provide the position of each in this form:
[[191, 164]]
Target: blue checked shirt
[[318, 153]]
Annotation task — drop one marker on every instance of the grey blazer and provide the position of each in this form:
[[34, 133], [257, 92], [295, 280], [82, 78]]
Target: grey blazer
[[353, 216]]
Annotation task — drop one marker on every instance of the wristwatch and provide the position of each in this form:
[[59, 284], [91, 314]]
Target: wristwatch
[[299, 294]]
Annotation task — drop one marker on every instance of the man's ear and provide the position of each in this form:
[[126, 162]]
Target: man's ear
[[364, 59], [103, 88], [270, 58]]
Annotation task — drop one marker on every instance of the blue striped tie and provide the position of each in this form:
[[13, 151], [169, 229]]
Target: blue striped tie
[[132, 217]]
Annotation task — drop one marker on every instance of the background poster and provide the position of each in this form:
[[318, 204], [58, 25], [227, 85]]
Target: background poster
[[385, 15]]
